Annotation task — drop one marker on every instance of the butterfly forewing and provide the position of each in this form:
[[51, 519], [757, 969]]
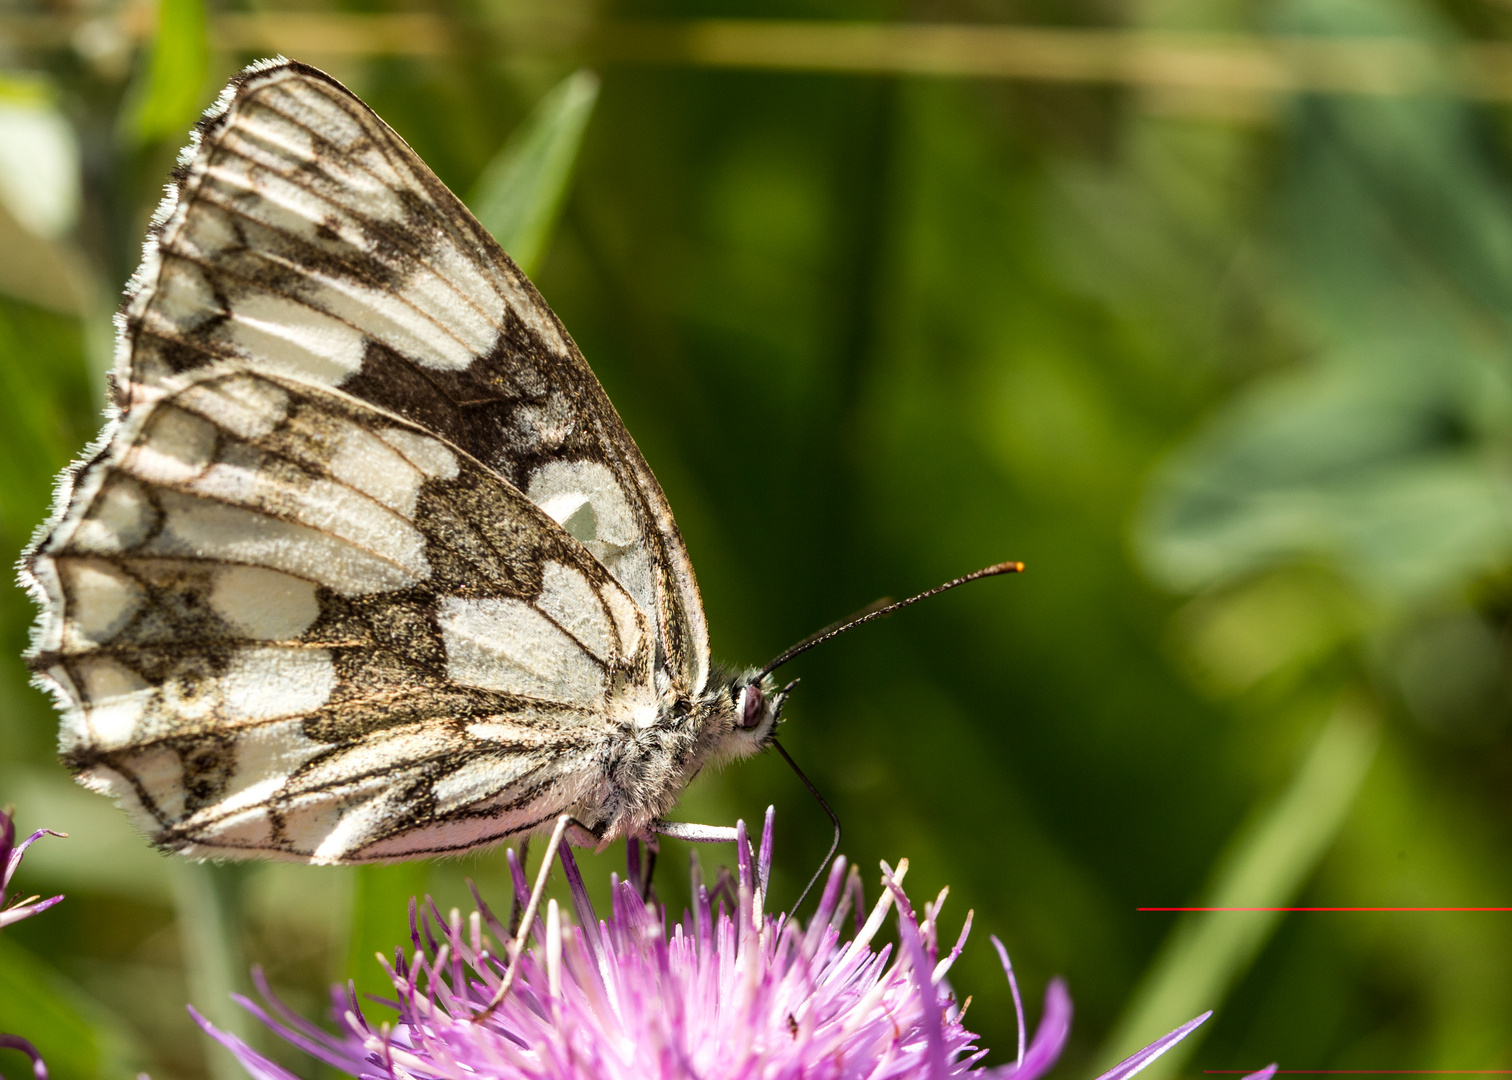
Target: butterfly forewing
[[305, 238], [369, 566]]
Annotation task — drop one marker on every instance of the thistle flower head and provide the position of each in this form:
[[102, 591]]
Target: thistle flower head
[[728, 993]]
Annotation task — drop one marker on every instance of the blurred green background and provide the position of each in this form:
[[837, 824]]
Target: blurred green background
[[1203, 310]]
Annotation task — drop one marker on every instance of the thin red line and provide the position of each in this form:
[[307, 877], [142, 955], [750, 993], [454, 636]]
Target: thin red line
[[1369, 1072], [1326, 909]]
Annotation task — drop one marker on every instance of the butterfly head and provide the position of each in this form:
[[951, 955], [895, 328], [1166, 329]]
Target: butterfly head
[[756, 705]]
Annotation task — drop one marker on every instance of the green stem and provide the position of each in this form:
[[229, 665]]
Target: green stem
[[208, 900], [380, 921]]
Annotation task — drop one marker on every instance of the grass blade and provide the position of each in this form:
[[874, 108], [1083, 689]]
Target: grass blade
[[1270, 860], [520, 192]]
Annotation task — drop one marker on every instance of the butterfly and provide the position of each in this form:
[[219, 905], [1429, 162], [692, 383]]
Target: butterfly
[[364, 566]]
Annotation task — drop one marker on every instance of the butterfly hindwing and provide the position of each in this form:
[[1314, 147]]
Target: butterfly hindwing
[[303, 238], [283, 621]]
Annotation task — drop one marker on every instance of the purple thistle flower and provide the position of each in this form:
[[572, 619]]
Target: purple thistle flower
[[10, 860], [729, 993]]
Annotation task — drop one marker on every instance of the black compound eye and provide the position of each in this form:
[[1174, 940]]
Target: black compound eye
[[751, 706]]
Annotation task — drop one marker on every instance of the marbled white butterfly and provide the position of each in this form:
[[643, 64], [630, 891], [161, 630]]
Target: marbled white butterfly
[[365, 566]]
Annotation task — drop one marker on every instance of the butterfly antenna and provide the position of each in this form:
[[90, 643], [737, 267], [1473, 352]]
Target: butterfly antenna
[[834, 844], [876, 612]]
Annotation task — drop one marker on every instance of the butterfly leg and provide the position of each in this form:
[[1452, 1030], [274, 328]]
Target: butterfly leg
[[695, 834], [634, 871], [650, 870], [517, 947]]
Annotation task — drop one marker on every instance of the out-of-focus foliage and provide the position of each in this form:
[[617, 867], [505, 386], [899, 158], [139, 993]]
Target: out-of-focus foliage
[[169, 93], [1231, 374]]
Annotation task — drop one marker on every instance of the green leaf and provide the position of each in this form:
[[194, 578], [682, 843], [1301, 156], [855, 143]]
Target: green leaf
[[77, 1038], [171, 98], [520, 192], [1341, 463], [1271, 859]]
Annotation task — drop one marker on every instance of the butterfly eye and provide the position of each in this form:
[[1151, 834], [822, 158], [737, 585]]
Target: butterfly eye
[[751, 707]]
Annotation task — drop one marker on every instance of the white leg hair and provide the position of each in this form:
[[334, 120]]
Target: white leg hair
[[696, 834]]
